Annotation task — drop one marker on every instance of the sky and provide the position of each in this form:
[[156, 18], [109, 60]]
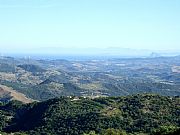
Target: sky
[[137, 24]]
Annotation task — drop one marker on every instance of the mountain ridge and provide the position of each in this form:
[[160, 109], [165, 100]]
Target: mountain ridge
[[142, 113]]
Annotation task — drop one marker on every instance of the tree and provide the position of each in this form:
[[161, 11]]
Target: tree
[[112, 131], [167, 130], [91, 133]]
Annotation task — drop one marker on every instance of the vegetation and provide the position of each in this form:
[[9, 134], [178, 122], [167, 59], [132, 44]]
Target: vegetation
[[80, 112], [137, 114], [31, 68], [167, 130], [6, 68], [45, 79]]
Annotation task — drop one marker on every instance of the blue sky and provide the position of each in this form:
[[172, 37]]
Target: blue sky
[[139, 24]]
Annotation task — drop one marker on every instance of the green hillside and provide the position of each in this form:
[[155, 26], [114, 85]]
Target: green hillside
[[148, 114]]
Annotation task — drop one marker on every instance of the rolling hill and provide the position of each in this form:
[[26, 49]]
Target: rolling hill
[[8, 94], [46, 79], [72, 115]]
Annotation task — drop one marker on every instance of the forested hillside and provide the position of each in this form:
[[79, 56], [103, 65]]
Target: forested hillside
[[147, 114]]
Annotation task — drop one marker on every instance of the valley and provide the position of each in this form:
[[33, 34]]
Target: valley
[[40, 79]]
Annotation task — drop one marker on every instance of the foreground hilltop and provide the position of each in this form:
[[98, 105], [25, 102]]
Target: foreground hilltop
[[75, 116]]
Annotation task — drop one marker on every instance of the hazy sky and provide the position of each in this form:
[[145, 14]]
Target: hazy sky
[[142, 24]]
